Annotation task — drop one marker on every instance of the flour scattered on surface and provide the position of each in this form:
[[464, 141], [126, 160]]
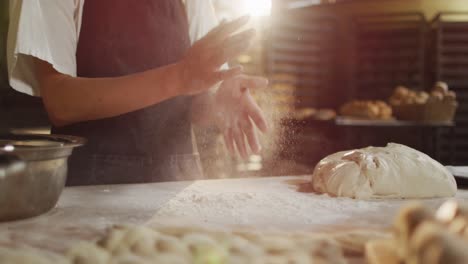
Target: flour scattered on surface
[[278, 205]]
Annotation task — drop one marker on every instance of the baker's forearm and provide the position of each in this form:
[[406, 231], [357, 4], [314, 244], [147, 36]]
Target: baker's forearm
[[74, 99]]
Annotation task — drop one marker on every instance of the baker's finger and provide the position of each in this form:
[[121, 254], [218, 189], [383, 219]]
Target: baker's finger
[[253, 82], [223, 31], [231, 48], [239, 40], [249, 130], [240, 143], [244, 36], [255, 113], [229, 141], [222, 75]]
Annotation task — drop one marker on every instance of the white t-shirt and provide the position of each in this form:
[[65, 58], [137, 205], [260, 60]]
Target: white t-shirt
[[49, 30]]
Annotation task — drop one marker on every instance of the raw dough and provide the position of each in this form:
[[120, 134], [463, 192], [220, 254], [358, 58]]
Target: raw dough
[[124, 245], [432, 244], [174, 245], [29, 256], [394, 171], [422, 237], [83, 253]]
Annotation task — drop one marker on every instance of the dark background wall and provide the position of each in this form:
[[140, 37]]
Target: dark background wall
[[3, 80], [16, 110]]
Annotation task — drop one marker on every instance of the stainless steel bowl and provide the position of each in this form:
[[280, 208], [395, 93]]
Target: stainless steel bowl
[[33, 171]]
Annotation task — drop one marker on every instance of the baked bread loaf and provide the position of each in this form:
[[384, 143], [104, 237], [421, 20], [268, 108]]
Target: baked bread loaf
[[367, 110]]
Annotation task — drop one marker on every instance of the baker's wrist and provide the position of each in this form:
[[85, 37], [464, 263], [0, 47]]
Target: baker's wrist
[[182, 79]]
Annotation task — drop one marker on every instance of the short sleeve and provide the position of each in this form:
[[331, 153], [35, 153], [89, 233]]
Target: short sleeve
[[202, 19], [44, 29], [201, 16]]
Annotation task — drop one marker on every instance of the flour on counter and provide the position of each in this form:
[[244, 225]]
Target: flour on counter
[[230, 203]]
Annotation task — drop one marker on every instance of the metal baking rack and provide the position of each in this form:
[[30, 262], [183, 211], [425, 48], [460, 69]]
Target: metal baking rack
[[301, 59], [389, 50], [450, 49]]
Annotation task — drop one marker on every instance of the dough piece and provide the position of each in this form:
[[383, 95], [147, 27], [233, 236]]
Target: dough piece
[[394, 171], [325, 114], [171, 245], [175, 245], [406, 222], [459, 226], [451, 209], [432, 244], [113, 240], [441, 87], [353, 242], [382, 252], [404, 96], [29, 256], [129, 259], [204, 248], [325, 250], [139, 240], [87, 253], [239, 246], [169, 259]]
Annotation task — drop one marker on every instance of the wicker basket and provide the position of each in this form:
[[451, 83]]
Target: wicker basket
[[440, 110]]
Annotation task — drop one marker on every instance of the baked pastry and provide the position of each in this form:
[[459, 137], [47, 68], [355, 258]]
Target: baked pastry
[[405, 96], [367, 110], [438, 105], [325, 114]]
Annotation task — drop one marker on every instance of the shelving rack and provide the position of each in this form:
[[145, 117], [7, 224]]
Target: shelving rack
[[389, 51], [450, 49], [301, 60]]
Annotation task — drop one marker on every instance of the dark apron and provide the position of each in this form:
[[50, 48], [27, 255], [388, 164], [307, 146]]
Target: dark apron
[[120, 37]]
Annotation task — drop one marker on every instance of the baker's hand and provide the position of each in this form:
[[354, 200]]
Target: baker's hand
[[201, 65], [238, 114]]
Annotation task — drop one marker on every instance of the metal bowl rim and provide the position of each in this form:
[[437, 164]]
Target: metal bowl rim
[[68, 141]]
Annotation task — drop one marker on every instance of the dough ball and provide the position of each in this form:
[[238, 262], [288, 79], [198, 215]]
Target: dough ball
[[237, 245], [28, 256], [326, 250], [205, 248], [409, 100], [422, 97], [87, 253], [277, 245], [406, 222], [130, 259], [353, 242], [459, 225], [394, 171], [170, 259], [441, 87], [451, 95], [113, 240], [169, 244], [366, 109], [450, 210], [432, 244], [138, 240], [437, 96], [382, 251], [325, 114], [401, 92]]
